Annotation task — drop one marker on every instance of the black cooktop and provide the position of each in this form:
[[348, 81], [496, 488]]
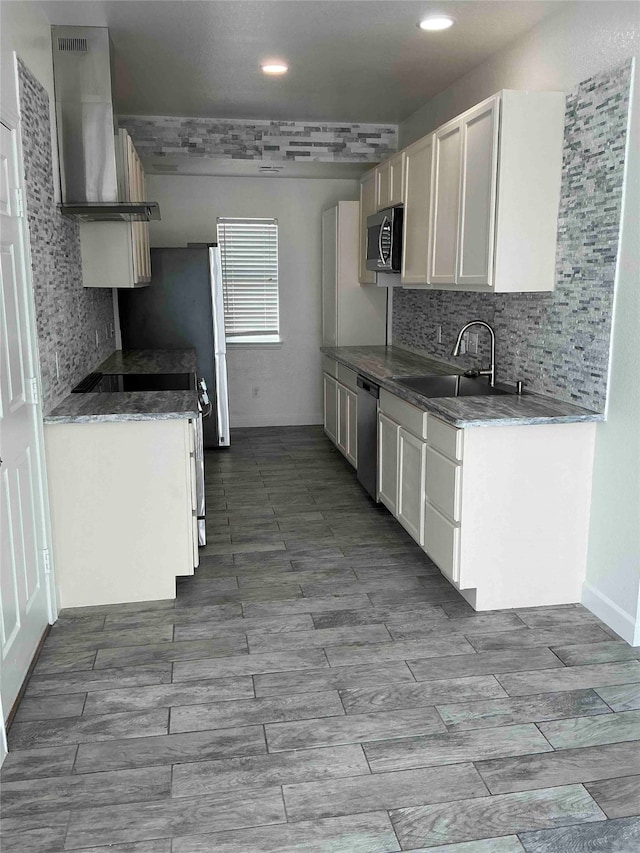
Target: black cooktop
[[115, 382]]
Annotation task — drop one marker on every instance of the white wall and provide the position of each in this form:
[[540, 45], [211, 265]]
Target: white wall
[[612, 588], [289, 376], [584, 39], [26, 30]]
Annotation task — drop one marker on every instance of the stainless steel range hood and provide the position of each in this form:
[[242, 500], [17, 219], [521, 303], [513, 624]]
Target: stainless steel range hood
[[91, 163]]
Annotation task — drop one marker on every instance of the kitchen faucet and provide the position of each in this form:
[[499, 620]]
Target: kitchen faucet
[[491, 372]]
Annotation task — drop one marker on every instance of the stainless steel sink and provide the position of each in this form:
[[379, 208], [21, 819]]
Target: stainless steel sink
[[448, 386]]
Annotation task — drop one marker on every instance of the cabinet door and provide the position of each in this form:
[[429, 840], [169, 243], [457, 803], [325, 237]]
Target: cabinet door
[[442, 542], [388, 462], [396, 179], [445, 203], [330, 407], [478, 194], [330, 277], [352, 427], [342, 437], [140, 230], [383, 186], [411, 484], [417, 201], [444, 484], [367, 207]]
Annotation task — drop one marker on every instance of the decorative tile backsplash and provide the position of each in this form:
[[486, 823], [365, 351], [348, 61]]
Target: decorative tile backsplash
[[67, 314], [240, 139], [558, 342]]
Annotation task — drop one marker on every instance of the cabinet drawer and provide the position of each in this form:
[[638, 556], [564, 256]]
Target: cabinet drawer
[[447, 439], [443, 483], [408, 416], [348, 377], [442, 542], [329, 366]]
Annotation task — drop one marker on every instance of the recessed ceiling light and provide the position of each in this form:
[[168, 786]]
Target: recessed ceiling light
[[275, 68], [436, 22]]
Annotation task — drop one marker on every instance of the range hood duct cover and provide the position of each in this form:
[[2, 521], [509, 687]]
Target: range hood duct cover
[[91, 168]]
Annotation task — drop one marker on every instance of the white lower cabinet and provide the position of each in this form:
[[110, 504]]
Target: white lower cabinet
[[352, 428], [444, 484], [388, 462], [330, 407], [347, 437], [503, 511], [123, 509], [443, 498], [342, 439], [411, 484], [341, 417], [443, 538]]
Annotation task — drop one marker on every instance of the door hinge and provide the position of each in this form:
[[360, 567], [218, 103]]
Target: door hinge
[[34, 390], [19, 203], [46, 561]]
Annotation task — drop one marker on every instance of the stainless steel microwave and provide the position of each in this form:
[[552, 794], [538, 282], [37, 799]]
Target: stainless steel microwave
[[384, 240]]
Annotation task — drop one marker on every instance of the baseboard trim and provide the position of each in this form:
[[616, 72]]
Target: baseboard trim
[[613, 615], [281, 419]]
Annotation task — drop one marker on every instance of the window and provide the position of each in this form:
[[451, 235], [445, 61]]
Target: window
[[249, 253]]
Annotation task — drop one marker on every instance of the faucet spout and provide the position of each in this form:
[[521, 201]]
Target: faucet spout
[[491, 371]]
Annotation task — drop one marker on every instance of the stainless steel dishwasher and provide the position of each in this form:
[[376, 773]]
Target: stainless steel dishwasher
[[368, 393]]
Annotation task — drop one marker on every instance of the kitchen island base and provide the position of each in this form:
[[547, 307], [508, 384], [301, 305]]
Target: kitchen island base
[[122, 503]]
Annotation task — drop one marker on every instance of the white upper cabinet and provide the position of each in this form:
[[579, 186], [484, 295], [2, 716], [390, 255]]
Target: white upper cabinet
[[368, 190], [396, 179], [478, 179], [383, 184], [117, 254], [445, 203], [417, 200], [390, 181], [330, 277], [351, 315], [528, 192], [463, 198], [494, 197]]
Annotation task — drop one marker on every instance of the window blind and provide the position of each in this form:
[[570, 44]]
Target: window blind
[[249, 254]]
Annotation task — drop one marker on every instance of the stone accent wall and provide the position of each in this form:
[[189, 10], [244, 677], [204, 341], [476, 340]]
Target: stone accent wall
[[557, 343], [261, 140], [67, 314]]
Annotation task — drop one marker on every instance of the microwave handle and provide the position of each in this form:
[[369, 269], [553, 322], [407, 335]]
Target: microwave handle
[[382, 224]]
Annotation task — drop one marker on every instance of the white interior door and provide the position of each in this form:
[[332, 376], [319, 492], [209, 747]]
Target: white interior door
[[24, 593]]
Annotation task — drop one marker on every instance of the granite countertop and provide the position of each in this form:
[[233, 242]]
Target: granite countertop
[[380, 364], [133, 405]]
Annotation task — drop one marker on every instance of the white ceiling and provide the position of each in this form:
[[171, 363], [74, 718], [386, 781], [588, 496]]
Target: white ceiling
[[350, 60]]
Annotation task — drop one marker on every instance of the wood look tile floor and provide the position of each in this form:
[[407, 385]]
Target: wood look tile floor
[[318, 687]]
